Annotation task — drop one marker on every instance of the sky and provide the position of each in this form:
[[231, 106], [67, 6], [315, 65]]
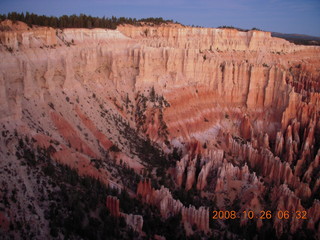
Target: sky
[[285, 16]]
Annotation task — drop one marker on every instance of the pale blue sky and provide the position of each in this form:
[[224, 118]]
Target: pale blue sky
[[287, 16]]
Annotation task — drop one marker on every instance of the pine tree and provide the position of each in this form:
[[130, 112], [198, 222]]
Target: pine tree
[[152, 94]]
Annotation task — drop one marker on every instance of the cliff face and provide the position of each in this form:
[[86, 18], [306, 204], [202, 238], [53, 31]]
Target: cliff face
[[204, 38], [242, 108]]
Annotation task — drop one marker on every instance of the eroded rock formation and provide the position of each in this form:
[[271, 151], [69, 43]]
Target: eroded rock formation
[[168, 206], [112, 204], [241, 107], [134, 221]]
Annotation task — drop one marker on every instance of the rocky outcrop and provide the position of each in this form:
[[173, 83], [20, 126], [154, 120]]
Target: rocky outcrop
[[245, 128], [186, 166], [70, 135], [314, 216], [73, 159], [238, 184], [279, 144], [145, 190], [180, 170], [198, 217], [104, 141], [18, 34], [214, 160], [134, 221], [162, 198], [276, 171], [195, 170], [112, 204], [285, 200], [168, 206], [293, 149]]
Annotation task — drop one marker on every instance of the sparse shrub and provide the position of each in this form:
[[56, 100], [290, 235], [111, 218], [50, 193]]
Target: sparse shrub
[[152, 95], [51, 105], [10, 49], [256, 29], [114, 148]]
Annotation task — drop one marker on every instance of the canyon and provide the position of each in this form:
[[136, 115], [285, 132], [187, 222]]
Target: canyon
[[185, 120]]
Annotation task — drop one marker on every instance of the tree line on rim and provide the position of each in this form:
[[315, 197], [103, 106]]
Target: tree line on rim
[[79, 21]]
